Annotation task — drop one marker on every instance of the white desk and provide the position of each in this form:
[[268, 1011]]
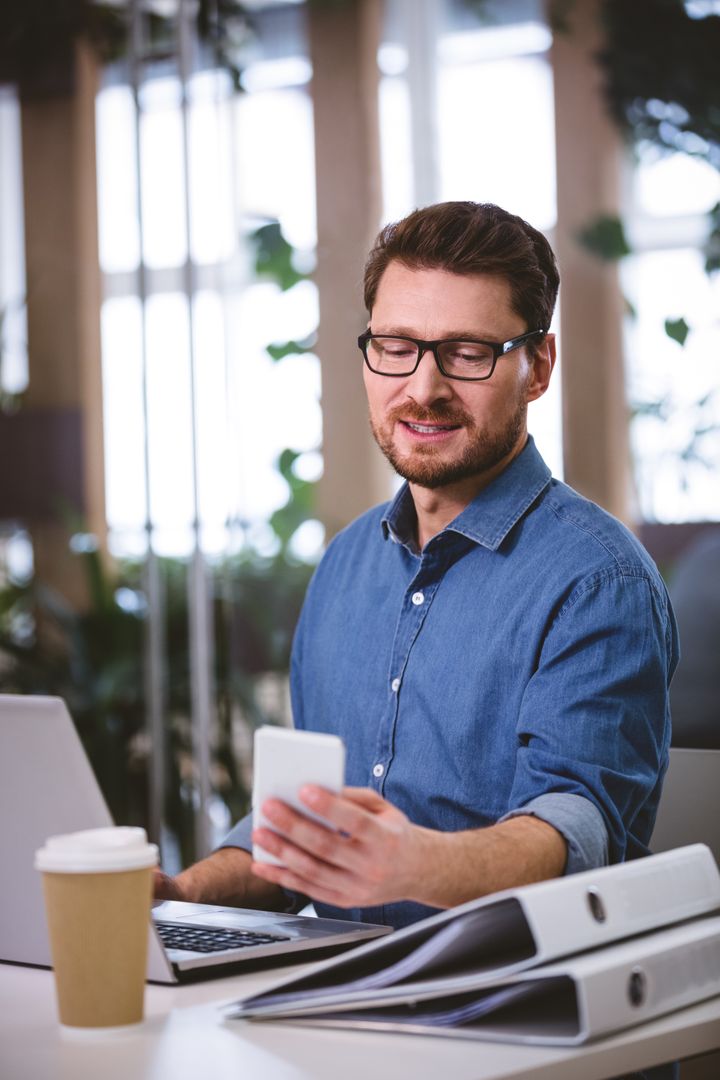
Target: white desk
[[185, 1038]]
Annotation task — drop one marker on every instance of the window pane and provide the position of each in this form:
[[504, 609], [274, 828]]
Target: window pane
[[212, 226], [123, 414], [676, 430], [117, 179], [277, 178], [395, 148], [163, 175], [13, 322], [505, 154], [170, 420], [273, 405], [674, 184]]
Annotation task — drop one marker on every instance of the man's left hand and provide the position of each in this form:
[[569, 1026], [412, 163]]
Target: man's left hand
[[376, 856]]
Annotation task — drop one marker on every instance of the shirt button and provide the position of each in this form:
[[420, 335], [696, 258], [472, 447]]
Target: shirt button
[[395, 685], [418, 598], [378, 770]]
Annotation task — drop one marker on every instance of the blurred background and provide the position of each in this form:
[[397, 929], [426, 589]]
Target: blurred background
[[188, 189]]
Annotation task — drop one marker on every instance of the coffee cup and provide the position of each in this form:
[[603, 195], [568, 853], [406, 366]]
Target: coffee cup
[[98, 892]]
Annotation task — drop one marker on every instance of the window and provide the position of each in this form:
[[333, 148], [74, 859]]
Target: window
[[673, 387], [488, 114]]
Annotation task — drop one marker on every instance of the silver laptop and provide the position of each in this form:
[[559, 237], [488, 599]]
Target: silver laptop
[[47, 787]]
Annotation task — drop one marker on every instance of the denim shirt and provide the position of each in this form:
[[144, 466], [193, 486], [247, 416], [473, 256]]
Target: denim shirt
[[519, 663]]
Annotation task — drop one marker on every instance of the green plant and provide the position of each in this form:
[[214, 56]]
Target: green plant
[[605, 237], [93, 658], [659, 65]]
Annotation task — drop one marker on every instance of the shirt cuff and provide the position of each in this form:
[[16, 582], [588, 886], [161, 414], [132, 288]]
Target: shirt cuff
[[578, 820], [240, 835]]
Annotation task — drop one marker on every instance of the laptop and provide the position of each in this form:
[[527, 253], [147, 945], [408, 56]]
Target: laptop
[[47, 787]]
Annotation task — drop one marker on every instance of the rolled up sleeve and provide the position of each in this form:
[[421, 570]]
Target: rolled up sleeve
[[240, 835], [578, 821], [594, 725]]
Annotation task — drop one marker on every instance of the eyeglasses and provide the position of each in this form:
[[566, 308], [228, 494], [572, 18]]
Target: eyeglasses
[[469, 361]]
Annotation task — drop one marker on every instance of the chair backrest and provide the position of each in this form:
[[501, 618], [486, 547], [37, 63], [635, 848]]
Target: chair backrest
[[689, 810]]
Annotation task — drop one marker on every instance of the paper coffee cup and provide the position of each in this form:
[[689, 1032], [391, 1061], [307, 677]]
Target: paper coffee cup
[[98, 892]]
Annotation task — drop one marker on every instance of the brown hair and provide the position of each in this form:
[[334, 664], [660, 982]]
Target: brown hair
[[472, 238]]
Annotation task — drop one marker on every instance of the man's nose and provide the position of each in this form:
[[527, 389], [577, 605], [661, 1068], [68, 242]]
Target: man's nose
[[427, 383]]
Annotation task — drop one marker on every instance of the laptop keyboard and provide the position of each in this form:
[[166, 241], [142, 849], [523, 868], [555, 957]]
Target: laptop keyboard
[[205, 940]]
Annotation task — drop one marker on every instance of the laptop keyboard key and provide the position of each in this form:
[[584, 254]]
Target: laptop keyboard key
[[204, 940]]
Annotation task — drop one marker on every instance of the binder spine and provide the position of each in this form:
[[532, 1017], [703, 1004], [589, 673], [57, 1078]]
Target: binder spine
[[614, 903], [668, 978]]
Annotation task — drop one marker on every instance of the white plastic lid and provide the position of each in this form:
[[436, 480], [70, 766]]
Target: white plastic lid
[[97, 851]]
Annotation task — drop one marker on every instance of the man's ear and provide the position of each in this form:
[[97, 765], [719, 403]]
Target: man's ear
[[542, 363]]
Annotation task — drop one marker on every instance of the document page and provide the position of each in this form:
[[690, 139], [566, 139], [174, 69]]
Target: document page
[[473, 943], [541, 1011]]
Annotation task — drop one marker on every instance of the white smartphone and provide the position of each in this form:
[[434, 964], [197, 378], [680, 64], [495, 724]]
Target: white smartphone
[[285, 760]]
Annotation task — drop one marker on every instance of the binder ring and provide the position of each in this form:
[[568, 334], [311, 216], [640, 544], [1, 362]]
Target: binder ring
[[597, 908]]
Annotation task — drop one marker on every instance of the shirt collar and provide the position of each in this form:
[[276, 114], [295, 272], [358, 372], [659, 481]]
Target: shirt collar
[[491, 515]]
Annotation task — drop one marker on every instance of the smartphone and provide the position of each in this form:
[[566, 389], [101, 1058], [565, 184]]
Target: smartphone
[[285, 760]]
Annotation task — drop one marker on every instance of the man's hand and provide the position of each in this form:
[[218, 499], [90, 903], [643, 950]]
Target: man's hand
[[166, 887], [225, 877], [375, 857], [378, 856]]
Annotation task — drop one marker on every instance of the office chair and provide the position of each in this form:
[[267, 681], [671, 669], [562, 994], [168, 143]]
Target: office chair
[[689, 810]]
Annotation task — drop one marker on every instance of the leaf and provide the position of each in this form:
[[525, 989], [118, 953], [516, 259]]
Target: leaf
[[605, 237], [298, 507], [279, 351], [274, 256], [677, 329]]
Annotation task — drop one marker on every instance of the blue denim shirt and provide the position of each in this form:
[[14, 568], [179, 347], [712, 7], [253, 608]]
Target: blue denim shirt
[[519, 664]]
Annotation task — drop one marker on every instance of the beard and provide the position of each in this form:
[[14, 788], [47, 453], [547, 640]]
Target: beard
[[425, 466]]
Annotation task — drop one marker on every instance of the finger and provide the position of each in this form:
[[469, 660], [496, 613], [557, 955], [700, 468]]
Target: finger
[[352, 819], [288, 879], [365, 796], [164, 887], [319, 840], [293, 881], [311, 849]]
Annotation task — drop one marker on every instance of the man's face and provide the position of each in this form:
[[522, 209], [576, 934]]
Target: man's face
[[436, 431]]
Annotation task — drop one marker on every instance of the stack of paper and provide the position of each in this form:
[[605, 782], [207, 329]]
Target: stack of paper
[[638, 941]]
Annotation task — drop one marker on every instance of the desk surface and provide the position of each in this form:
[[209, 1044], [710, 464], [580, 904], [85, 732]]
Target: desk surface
[[185, 1037]]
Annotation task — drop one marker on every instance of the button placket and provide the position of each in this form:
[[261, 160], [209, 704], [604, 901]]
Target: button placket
[[415, 607]]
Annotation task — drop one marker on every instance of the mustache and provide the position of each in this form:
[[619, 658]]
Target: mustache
[[440, 414]]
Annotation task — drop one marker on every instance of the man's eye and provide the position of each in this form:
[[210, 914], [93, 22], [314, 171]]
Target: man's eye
[[397, 348], [463, 353]]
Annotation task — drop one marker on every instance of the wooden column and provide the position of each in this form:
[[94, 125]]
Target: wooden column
[[595, 412], [344, 40], [63, 405]]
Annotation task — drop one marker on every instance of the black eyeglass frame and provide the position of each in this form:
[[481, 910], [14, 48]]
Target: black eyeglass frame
[[498, 349]]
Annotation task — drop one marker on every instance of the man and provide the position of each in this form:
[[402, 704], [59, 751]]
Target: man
[[494, 649]]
